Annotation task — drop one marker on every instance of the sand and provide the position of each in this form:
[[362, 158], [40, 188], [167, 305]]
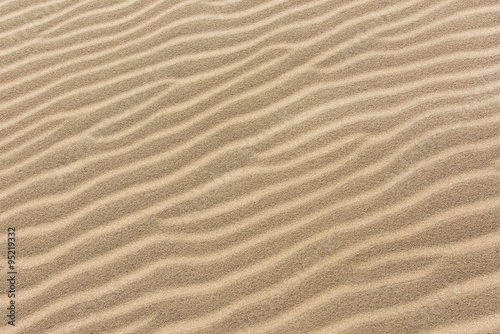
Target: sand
[[250, 166]]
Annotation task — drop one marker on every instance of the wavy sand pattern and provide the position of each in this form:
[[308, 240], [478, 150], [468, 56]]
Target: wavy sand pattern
[[251, 166]]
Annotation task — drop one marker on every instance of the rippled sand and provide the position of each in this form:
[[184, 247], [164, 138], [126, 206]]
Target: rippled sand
[[291, 167]]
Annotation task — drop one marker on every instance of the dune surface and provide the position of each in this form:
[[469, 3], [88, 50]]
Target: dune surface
[[250, 166]]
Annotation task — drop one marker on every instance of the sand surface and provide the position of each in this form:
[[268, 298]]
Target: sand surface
[[251, 166]]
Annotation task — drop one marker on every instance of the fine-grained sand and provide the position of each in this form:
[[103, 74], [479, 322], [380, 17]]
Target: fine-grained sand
[[250, 166]]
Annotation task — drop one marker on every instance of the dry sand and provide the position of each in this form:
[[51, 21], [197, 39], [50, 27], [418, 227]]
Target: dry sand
[[251, 166]]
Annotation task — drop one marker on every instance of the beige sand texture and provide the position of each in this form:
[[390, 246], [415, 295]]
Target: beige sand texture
[[251, 166]]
